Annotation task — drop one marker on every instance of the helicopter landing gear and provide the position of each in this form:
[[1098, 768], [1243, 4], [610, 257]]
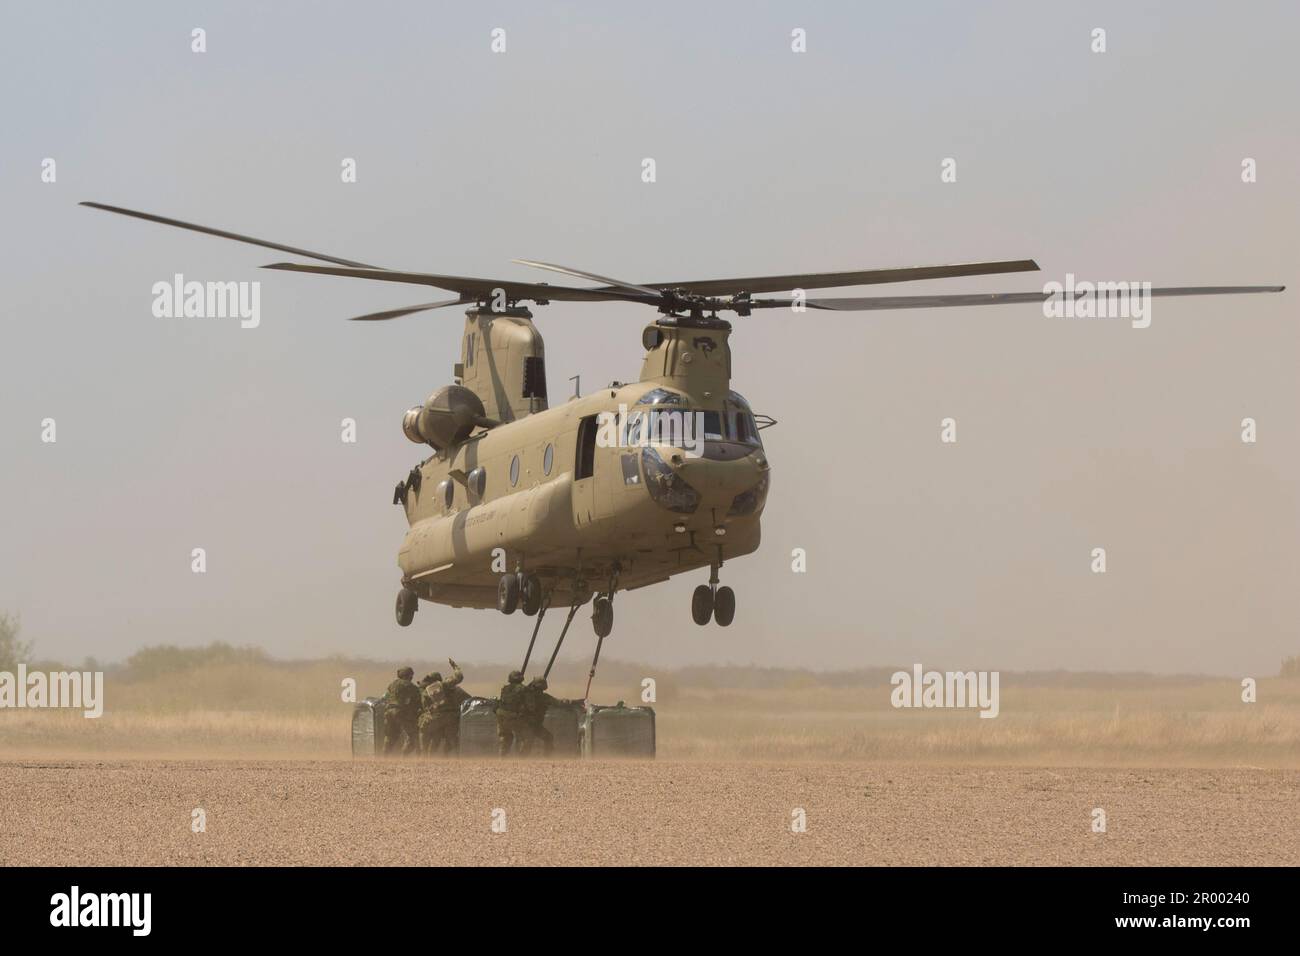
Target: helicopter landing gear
[[724, 606], [519, 591], [407, 603], [702, 605], [530, 593], [602, 616], [508, 593], [602, 608], [711, 601], [602, 622]]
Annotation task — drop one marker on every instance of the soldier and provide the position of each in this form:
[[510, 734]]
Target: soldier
[[440, 721], [510, 713], [536, 701], [402, 708], [422, 722]]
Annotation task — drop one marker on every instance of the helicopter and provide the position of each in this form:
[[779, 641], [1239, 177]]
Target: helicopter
[[520, 506]]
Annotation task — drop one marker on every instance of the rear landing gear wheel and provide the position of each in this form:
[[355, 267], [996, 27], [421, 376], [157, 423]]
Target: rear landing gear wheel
[[602, 616], [508, 593], [724, 606], [702, 604], [407, 602], [530, 594]]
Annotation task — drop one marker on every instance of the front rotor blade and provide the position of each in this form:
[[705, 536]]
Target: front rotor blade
[[409, 310], [630, 286], [828, 280], [478, 289], [1216, 289], [909, 301], [207, 230], [984, 298]]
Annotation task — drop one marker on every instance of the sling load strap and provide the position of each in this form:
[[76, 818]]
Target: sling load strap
[[567, 621], [541, 613], [592, 674]]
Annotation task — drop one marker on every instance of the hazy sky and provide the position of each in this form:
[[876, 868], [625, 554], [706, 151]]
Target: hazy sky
[[183, 433]]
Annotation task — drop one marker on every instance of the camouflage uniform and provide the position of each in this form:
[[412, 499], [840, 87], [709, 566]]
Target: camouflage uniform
[[440, 719], [402, 707], [422, 722], [511, 723], [536, 702]]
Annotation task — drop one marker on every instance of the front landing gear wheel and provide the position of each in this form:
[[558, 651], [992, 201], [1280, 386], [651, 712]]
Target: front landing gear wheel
[[602, 616], [702, 605], [508, 593], [406, 605], [530, 594], [724, 606]]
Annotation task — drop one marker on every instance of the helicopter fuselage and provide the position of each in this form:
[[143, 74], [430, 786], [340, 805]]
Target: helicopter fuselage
[[614, 490]]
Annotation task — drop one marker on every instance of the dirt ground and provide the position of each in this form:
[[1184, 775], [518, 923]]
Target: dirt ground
[[140, 812]]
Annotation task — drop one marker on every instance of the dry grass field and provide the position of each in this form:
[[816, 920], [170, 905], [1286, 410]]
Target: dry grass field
[[255, 707], [1184, 770]]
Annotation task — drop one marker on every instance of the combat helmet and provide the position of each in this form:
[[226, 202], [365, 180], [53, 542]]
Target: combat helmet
[[516, 677], [405, 673], [435, 677], [540, 683]]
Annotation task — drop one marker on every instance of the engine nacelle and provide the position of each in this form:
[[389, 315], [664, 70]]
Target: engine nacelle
[[446, 418]]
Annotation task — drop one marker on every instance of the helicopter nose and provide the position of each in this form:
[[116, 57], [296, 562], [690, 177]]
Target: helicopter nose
[[724, 471]]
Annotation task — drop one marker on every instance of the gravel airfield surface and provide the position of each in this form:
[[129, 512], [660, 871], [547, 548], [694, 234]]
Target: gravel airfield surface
[[594, 813]]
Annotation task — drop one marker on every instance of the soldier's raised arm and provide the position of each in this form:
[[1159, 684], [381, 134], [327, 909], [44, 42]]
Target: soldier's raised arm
[[456, 674]]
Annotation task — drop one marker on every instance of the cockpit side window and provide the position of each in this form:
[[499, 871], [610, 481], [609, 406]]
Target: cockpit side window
[[741, 426], [741, 430], [713, 426]]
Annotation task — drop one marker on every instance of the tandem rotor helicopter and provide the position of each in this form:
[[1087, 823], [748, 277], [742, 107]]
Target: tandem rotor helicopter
[[522, 506]]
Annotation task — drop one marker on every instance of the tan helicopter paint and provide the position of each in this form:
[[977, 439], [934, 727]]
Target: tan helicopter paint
[[494, 352], [571, 531]]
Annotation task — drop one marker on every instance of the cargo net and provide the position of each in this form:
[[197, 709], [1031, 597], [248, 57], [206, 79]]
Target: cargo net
[[619, 731]]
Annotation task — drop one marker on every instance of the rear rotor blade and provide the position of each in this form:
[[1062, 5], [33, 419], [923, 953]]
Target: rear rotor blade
[[984, 298], [926, 301], [827, 280], [207, 230]]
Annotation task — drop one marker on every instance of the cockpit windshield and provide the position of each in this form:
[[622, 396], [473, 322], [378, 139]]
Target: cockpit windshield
[[685, 426], [661, 396], [669, 421]]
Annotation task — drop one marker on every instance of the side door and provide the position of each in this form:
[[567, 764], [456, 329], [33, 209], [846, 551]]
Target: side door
[[584, 471]]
